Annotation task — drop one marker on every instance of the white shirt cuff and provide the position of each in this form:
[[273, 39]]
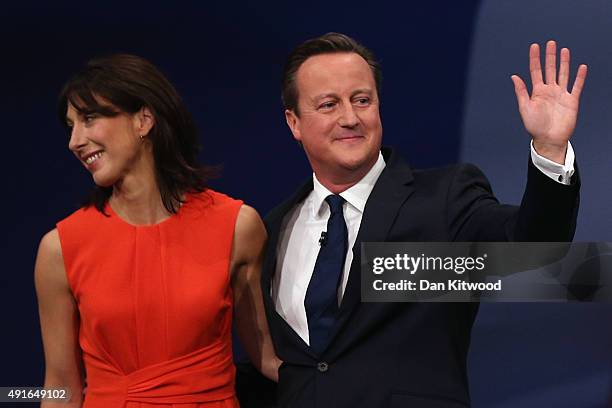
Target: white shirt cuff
[[560, 173]]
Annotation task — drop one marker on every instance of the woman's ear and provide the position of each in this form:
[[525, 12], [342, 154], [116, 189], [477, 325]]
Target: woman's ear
[[144, 121]]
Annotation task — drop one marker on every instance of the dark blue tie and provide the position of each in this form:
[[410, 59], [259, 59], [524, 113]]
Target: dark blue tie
[[321, 300]]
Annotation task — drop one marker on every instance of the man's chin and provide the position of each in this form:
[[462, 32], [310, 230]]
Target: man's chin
[[360, 165], [358, 161]]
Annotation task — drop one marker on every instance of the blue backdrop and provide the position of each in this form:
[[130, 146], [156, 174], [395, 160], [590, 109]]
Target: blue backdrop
[[446, 90]]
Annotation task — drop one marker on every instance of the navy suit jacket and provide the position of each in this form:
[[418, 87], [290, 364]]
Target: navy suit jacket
[[408, 354]]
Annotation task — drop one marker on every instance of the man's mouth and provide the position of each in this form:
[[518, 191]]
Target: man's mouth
[[349, 137]]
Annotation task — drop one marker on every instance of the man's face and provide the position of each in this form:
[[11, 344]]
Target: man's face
[[339, 122]]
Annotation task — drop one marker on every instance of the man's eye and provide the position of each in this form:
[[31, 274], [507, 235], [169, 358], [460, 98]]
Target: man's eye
[[327, 105], [363, 101]]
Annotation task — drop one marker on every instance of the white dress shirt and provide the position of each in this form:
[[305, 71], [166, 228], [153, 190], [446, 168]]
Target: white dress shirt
[[301, 229], [560, 173]]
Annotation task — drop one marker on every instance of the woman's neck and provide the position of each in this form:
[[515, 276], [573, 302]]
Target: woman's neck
[[136, 199]]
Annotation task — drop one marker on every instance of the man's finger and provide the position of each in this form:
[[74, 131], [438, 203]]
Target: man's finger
[[551, 62], [520, 89], [564, 68], [534, 65], [579, 82]]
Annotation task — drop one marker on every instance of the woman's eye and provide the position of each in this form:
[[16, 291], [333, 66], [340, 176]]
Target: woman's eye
[[89, 117]]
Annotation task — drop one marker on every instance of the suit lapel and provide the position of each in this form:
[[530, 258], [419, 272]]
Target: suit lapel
[[274, 222], [393, 188]]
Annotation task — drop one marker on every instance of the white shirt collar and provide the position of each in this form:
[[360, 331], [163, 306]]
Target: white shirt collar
[[356, 196]]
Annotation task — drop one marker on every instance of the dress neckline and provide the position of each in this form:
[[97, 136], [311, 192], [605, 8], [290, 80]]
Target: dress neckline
[[113, 215]]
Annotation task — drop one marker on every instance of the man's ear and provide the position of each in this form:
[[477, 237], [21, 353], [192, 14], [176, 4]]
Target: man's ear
[[144, 121], [294, 124]]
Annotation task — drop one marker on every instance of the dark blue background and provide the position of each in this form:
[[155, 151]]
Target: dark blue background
[[226, 62]]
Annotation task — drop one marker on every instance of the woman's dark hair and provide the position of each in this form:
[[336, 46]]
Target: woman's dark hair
[[329, 43], [130, 83]]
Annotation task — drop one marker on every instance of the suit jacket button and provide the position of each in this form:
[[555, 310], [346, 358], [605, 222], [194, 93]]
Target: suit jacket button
[[322, 366]]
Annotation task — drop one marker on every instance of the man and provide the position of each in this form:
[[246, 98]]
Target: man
[[337, 351]]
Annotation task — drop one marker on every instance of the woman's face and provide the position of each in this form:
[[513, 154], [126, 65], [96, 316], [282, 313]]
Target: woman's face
[[108, 147]]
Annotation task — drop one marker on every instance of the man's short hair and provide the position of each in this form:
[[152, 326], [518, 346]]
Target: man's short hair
[[329, 43]]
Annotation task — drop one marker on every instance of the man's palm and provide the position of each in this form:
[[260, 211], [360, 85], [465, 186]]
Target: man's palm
[[550, 114]]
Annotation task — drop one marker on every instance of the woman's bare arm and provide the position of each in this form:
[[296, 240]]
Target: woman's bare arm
[[59, 321], [250, 317]]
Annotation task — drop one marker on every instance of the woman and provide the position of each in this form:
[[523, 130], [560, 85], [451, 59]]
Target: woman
[[140, 283]]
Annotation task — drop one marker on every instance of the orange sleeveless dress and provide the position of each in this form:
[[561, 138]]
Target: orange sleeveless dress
[[155, 305]]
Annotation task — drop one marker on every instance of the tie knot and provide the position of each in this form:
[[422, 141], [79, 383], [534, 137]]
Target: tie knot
[[335, 203]]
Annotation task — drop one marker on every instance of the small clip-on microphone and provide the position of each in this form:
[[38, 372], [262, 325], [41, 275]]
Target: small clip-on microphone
[[323, 238]]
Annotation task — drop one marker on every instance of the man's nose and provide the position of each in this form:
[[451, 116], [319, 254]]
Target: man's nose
[[348, 118]]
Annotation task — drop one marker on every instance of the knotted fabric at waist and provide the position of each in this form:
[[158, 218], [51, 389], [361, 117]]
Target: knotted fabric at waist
[[204, 375]]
